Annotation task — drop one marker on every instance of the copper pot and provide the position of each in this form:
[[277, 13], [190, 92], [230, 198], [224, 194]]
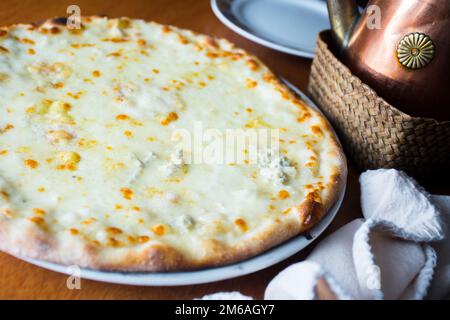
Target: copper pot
[[407, 60]]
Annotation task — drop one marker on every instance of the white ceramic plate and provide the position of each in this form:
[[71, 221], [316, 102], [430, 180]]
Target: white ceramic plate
[[289, 26], [251, 265]]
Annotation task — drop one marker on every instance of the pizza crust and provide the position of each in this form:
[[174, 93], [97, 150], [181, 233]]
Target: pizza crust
[[35, 244], [27, 239]]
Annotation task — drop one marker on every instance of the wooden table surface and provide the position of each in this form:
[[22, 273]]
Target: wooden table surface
[[20, 280]]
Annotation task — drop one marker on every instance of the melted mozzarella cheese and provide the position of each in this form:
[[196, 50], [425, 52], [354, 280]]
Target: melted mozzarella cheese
[[86, 140]]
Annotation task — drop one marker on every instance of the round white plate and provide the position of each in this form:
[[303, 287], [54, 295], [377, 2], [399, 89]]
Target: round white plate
[[289, 26], [251, 265]]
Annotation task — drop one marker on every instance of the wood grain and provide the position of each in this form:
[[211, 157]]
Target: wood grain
[[20, 280]]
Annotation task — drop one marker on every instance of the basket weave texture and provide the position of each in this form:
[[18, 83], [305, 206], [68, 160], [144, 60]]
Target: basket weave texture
[[374, 133]]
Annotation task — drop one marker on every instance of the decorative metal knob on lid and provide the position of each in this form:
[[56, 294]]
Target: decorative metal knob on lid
[[415, 50]]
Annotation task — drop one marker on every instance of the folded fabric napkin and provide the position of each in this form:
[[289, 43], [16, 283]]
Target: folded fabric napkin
[[398, 251]]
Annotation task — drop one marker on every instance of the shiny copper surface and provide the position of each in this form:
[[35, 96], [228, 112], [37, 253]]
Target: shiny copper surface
[[371, 54]]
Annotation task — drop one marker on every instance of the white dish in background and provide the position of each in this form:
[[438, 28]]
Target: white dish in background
[[262, 261], [290, 26]]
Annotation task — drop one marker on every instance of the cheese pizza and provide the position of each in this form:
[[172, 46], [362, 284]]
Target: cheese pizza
[[92, 168]]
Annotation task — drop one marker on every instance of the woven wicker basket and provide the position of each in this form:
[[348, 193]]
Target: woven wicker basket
[[375, 134]]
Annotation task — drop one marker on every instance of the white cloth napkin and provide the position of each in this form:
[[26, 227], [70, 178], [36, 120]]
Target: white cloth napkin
[[384, 256], [400, 249], [440, 286]]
